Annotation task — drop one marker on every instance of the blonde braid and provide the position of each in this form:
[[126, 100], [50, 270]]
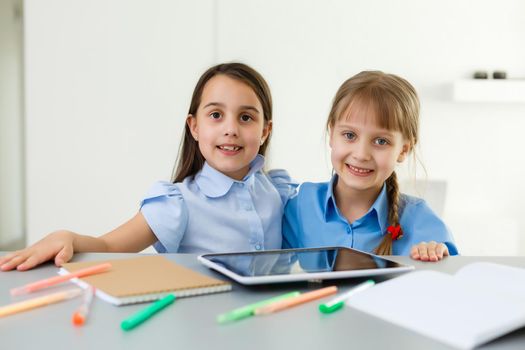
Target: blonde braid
[[392, 189]]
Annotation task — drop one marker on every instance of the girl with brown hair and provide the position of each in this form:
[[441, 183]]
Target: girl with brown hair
[[220, 199]]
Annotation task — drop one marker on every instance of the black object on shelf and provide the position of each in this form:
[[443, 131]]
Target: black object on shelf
[[481, 74], [499, 74]]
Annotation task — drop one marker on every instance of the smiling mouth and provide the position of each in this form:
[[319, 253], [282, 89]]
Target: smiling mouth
[[229, 148], [358, 171]]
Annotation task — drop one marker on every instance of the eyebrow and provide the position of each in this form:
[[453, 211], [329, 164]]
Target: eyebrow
[[218, 104], [378, 131]]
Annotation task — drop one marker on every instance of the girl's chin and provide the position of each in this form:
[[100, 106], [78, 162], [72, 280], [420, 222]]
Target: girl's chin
[[355, 183]]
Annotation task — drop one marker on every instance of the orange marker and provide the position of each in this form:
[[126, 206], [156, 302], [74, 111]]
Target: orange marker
[[80, 316], [28, 288], [300, 299], [38, 302]]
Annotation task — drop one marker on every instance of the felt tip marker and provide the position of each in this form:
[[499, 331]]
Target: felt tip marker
[[38, 302], [144, 314], [338, 302], [291, 302], [249, 310], [80, 316], [29, 288]]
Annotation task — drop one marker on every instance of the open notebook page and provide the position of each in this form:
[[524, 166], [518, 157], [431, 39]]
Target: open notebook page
[[478, 304]]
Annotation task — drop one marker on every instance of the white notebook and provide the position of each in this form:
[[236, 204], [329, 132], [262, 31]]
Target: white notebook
[[481, 302]]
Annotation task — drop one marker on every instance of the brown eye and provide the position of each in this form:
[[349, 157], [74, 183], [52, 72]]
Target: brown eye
[[246, 118], [215, 115]]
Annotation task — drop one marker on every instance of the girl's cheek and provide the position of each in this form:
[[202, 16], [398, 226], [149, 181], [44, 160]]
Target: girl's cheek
[[337, 150], [335, 157]]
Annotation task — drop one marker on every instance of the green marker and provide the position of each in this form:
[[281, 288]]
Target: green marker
[[248, 310], [338, 302], [141, 316]]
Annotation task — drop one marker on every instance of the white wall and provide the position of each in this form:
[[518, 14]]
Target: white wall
[[108, 85], [308, 48], [11, 124]]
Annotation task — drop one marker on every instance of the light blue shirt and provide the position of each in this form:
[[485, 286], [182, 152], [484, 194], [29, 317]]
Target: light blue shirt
[[312, 219], [212, 213]]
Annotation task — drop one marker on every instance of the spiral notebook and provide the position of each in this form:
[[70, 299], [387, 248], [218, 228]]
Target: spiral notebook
[[145, 278]]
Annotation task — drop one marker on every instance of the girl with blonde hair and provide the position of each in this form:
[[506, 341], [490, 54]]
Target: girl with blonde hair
[[373, 125]]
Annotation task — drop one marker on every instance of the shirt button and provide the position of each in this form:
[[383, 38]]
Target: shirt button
[[258, 246], [241, 184], [348, 230], [247, 207]]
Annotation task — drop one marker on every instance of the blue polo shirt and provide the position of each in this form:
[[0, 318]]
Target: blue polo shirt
[[312, 219], [212, 213]]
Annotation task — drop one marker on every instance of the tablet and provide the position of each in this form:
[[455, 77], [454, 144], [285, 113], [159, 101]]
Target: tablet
[[303, 264]]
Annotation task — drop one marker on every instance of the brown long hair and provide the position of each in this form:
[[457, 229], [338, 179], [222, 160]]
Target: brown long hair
[[396, 106], [190, 159]]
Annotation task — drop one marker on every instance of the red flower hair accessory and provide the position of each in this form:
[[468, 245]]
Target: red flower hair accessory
[[395, 232]]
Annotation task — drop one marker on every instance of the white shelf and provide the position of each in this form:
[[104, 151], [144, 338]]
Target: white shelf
[[489, 90]]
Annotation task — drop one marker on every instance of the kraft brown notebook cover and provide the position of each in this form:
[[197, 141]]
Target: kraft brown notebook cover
[[144, 279]]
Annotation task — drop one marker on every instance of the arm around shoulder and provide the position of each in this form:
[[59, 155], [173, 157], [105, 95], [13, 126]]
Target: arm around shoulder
[[284, 184], [291, 225]]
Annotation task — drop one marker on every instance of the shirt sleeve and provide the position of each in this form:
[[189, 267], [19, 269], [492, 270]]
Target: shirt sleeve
[[425, 226], [283, 183], [291, 224], [166, 213]]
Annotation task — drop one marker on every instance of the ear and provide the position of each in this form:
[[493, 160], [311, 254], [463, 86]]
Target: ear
[[267, 130], [330, 136], [407, 147], [191, 121]]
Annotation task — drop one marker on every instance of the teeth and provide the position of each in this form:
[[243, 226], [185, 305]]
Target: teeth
[[362, 171], [229, 148]]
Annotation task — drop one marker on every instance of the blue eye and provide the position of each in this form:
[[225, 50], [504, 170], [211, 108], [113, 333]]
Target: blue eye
[[246, 118], [381, 142], [349, 135], [215, 115]]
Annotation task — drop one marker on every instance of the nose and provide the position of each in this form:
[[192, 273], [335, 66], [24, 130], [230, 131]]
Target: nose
[[361, 150], [231, 126]]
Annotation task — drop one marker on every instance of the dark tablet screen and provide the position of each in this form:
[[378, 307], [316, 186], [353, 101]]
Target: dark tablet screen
[[300, 261]]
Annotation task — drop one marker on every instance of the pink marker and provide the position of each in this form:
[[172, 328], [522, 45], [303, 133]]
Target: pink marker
[[29, 288]]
